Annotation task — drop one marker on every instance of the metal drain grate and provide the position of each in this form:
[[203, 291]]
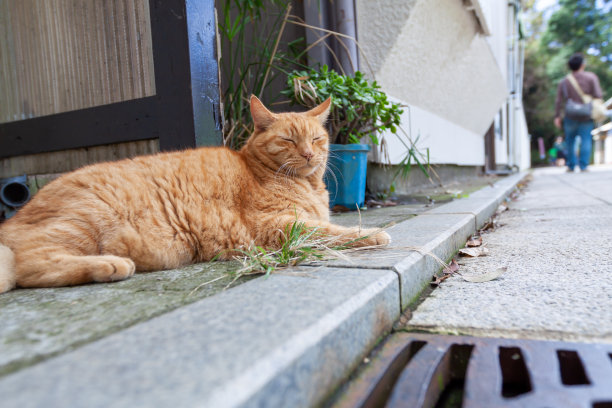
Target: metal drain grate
[[420, 370]]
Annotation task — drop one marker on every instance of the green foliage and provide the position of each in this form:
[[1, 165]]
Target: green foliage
[[581, 25], [298, 243], [575, 26], [359, 108], [539, 92], [252, 58]]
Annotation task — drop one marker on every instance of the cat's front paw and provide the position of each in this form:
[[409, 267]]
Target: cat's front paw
[[382, 238], [373, 237]]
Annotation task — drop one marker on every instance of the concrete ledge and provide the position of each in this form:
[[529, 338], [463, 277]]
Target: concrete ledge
[[286, 340], [501, 189], [416, 270], [36, 324], [413, 244], [282, 341], [482, 203]]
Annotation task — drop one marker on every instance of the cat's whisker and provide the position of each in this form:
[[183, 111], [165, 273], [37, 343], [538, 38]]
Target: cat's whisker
[[285, 171], [329, 172]]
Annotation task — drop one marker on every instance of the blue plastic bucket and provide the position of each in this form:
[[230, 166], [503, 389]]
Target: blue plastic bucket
[[349, 164]]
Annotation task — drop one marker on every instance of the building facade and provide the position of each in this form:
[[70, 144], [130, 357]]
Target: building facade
[[457, 67]]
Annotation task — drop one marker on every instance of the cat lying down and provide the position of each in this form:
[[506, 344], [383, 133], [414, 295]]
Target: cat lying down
[[104, 222]]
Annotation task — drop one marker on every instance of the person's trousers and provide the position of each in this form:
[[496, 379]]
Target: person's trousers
[[573, 128]]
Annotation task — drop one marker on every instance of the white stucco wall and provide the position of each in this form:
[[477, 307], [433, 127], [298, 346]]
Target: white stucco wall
[[430, 55], [436, 134], [497, 19]]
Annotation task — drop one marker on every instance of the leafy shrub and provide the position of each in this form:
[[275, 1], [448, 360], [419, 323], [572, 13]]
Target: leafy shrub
[[359, 107]]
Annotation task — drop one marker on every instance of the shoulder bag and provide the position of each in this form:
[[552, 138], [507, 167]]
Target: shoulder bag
[[592, 108]]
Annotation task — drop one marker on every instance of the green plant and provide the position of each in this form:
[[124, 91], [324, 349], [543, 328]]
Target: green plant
[[298, 243], [252, 57], [359, 108]]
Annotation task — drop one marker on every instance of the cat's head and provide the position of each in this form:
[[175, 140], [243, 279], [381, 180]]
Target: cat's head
[[294, 144]]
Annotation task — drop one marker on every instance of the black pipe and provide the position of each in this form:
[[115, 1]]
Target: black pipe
[[14, 192]]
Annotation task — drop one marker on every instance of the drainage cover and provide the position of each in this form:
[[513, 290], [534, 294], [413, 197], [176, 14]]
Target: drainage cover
[[420, 370]]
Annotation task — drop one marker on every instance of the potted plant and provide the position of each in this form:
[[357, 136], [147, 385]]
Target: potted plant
[[360, 112]]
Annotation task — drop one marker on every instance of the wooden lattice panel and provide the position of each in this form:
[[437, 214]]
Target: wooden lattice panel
[[63, 55]]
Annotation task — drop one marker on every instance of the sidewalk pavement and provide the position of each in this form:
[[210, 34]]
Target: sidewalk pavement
[[286, 340], [556, 243]]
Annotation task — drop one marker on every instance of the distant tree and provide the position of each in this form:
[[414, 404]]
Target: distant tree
[[537, 90], [581, 26], [575, 26], [537, 85]]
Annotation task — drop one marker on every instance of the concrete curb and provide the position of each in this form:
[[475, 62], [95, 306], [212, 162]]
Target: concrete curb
[[286, 340]]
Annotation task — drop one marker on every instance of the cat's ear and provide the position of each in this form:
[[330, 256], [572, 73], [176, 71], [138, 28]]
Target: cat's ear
[[262, 117], [321, 111]]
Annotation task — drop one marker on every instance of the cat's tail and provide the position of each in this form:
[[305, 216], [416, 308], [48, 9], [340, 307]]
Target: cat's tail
[[7, 269]]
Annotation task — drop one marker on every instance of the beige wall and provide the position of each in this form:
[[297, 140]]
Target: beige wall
[[429, 53]]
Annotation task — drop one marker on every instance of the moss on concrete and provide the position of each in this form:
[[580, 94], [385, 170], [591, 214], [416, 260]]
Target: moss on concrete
[[378, 217], [39, 323]]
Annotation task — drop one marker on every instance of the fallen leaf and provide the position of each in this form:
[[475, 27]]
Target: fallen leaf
[[488, 226], [474, 252], [502, 207], [474, 242], [373, 203], [340, 208], [452, 267], [377, 203], [489, 276], [437, 280]]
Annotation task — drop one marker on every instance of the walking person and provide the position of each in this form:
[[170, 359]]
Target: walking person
[[579, 125]]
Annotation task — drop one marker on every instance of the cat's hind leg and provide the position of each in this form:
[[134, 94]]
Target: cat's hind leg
[[52, 267]]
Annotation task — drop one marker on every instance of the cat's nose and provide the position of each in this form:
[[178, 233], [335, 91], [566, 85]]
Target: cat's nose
[[307, 155]]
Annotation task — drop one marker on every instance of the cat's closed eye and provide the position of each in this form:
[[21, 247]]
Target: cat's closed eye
[[288, 140]]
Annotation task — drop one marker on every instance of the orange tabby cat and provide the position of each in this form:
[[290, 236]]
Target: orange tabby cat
[[106, 221]]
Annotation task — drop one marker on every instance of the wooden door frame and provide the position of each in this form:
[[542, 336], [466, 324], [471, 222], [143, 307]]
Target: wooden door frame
[[490, 164], [184, 112]]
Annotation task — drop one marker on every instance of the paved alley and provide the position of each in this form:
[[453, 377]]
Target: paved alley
[[556, 242]]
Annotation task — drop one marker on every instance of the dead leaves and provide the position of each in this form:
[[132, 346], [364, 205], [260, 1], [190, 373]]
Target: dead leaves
[[448, 271], [452, 267], [474, 248], [485, 277], [475, 241], [380, 203], [339, 209], [474, 252], [502, 207]]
